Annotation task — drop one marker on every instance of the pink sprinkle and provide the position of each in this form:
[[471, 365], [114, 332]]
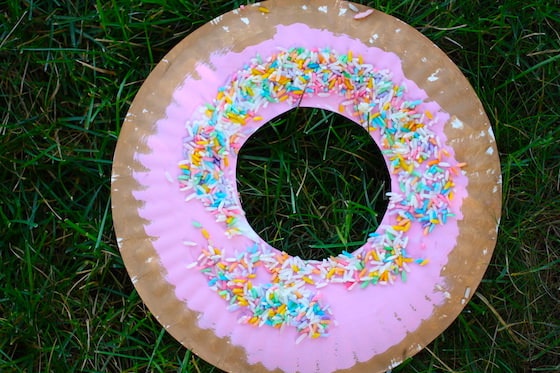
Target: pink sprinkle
[[364, 14]]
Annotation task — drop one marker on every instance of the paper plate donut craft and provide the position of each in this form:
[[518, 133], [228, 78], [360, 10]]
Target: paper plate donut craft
[[225, 293]]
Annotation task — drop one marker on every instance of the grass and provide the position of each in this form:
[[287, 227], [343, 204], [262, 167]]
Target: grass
[[69, 71]]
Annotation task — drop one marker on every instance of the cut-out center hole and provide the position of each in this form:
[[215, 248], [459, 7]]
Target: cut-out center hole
[[312, 183]]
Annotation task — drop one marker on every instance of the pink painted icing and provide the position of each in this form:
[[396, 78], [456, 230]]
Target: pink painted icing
[[368, 321]]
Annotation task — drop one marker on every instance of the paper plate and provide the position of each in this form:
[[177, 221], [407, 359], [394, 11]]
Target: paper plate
[[162, 241]]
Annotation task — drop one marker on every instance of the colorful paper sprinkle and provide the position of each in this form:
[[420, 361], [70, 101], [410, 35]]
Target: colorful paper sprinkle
[[421, 165]]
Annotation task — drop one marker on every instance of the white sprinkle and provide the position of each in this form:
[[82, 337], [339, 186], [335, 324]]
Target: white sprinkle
[[134, 279], [169, 177], [150, 259], [398, 30], [491, 133], [353, 7], [324, 9], [304, 7], [490, 151], [300, 338], [342, 11], [424, 59], [457, 124], [226, 29], [189, 243], [245, 20], [467, 292], [191, 265], [144, 111], [485, 251], [164, 60]]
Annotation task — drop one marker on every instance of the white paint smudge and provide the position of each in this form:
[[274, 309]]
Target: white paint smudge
[[434, 77], [217, 20], [457, 124]]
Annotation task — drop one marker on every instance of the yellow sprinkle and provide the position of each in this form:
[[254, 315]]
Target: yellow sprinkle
[[308, 280], [429, 114], [257, 118], [242, 302], [205, 233]]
